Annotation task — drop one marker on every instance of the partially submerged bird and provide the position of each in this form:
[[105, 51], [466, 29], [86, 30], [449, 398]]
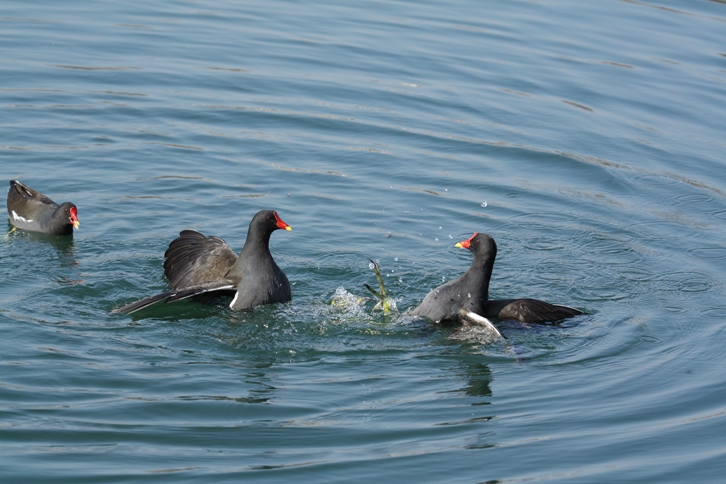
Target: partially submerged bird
[[470, 293], [197, 264], [464, 316], [30, 210]]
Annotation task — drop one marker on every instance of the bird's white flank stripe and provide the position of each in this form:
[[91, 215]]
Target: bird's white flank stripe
[[18, 217]]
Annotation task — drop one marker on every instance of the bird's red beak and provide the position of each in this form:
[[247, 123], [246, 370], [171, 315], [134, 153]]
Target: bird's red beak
[[280, 223], [74, 218], [464, 244]]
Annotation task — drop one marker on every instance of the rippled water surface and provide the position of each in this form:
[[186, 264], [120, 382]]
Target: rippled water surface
[[586, 137]]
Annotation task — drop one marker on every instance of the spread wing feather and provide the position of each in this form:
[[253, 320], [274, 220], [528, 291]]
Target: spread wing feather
[[175, 295], [194, 259]]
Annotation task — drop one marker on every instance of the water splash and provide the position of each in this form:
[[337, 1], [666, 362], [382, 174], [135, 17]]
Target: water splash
[[348, 301]]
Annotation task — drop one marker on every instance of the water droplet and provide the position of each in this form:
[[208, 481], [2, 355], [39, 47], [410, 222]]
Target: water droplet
[[436, 239], [450, 236], [439, 228], [484, 204], [400, 279], [443, 278], [371, 266], [469, 295], [396, 259], [446, 189]]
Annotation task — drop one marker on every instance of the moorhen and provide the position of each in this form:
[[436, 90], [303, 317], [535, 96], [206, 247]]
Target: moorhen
[[470, 293], [197, 264], [31, 210]]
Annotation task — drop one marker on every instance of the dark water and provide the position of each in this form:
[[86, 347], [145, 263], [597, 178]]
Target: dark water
[[586, 137]]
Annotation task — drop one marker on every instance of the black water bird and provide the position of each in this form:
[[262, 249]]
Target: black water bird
[[197, 264], [30, 210], [469, 293]]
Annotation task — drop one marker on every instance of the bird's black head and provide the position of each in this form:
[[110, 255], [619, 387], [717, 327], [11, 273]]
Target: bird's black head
[[70, 212], [269, 220], [480, 245]]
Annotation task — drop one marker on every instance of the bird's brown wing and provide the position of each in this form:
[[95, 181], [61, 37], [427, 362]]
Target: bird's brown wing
[[25, 201], [536, 311], [194, 259]]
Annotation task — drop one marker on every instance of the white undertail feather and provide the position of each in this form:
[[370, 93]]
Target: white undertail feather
[[478, 320], [231, 305]]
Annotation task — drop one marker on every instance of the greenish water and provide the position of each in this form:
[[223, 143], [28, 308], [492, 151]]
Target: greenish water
[[587, 139]]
